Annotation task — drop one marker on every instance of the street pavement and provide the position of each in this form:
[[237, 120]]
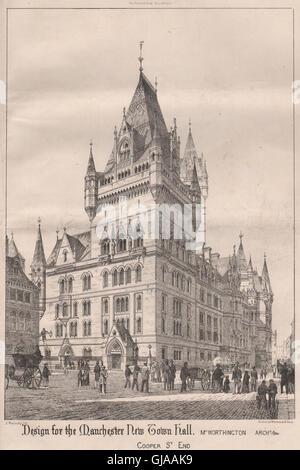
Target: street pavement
[[64, 400]]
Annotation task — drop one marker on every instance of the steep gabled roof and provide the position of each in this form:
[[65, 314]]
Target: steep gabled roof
[[79, 245], [13, 250], [144, 111]]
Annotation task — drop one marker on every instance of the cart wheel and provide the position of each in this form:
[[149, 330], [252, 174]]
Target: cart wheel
[[20, 381], [37, 377], [34, 378]]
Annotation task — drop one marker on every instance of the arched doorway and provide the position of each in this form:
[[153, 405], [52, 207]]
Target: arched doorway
[[114, 355], [66, 353]]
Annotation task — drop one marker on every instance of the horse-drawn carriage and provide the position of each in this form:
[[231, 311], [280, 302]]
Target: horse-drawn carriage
[[203, 375], [25, 371]]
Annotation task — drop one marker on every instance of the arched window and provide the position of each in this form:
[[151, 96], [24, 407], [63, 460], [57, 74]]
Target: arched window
[[84, 333], [139, 303], [127, 323], [56, 310], [128, 275], [178, 280], [106, 327], [65, 255], [123, 322], [75, 307], [126, 304], [105, 247], [163, 274], [115, 277], [122, 304], [105, 279], [70, 284], [138, 274], [118, 305], [121, 276], [13, 320], [139, 325], [62, 286], [105, 306], [173, 278], [86, 282], [65, 310], [89, 329]]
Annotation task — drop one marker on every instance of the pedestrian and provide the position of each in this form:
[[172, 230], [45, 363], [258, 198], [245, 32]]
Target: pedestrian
[[86, 373], [291, 379], [135, 376], [284, 379], [158, 372], [128, 373], [172, 374], [217, 378], [272, 392], [253, 379], [265, 372], [262, 395], [184, 373], [80, 378], [46, 374], [226, 385], [237, 379], [246, 380], [166, 375], [97, 374], [103, 380], [145, 373]]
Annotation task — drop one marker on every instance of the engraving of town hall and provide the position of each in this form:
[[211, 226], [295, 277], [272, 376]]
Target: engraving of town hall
[[131, 298]]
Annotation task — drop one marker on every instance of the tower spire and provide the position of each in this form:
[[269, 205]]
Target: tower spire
[[91, 164], [141, 57], [38, 268]]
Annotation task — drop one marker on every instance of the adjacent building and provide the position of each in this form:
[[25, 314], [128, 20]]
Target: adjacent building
[[22, 305]]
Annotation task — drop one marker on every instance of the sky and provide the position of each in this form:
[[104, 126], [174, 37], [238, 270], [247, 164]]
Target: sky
[[71, 72]]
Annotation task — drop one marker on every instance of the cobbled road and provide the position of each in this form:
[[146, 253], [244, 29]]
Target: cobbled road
[[63, 400]]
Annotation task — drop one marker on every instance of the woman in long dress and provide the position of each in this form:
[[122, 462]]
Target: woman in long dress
[[246, 380]]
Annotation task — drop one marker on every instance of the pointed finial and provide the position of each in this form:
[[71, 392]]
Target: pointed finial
[[124, 111], [65, 228], [175, 123], [190, 125], [234, 249], [241, 236], [156, 83], [141, 58], [39, 221], [12, 235], [57, 232], [265, 256]]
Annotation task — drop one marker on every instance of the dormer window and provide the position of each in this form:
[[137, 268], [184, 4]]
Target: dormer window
[[124, 152]]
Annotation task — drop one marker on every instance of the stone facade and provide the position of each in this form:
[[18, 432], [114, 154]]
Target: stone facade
[[128, 296], [22, 308]]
